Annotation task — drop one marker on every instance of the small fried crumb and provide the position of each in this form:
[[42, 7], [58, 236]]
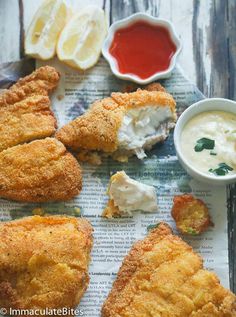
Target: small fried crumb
[[90, 157], [77, 211], [38, 211], [129, 88], [60, 97], [190, 214], [155, 87], [122, 158], [111, 210]]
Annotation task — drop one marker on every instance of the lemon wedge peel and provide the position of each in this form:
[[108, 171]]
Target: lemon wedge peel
[[44, 31], [80, 42]]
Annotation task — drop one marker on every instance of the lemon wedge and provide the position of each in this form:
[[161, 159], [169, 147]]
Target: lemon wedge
[[81, 40], [45, 28]]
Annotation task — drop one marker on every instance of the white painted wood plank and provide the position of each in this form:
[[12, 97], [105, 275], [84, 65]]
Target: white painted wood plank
[[30, 7], [203, 23], [180, 14], [107, 11], [9, 31], [79, 4], [202, 45]]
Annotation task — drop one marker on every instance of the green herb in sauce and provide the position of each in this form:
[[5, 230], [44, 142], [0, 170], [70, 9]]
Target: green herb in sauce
[[221, 170], [213, 153], [204, 143]]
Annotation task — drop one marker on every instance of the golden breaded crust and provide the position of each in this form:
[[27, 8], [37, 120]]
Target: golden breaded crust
[[42, 81], [89, 156], [25, 113], [163, 276], [26, 120], [95, 130], [40, 171], [190, 214], [44, 262], [98, 128], [111, 210], [142, 97], [155, 87]]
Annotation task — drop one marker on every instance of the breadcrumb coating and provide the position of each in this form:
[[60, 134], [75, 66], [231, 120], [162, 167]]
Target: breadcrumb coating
[[190, 214], [95, 130], [25, 121], [44, 262], [98, 128], [111, 211], [90, 157], [41, 82], [25, 113], [155, 87], [163, 276], [141, 97], [39, 171]]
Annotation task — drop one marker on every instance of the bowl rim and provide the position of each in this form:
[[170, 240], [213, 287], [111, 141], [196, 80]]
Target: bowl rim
[[178, 129], [120, 24]]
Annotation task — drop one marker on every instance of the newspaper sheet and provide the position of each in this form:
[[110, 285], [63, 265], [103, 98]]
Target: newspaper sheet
[[113, 238]]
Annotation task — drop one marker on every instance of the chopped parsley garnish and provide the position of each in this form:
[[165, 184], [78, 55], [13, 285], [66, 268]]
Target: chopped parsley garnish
[[204, 143], [192, 231], [150, 227], [213, 153], [226, 166], [198, 147], [221, 170]]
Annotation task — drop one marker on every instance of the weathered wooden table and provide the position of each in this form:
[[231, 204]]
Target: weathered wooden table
[[207, 29]]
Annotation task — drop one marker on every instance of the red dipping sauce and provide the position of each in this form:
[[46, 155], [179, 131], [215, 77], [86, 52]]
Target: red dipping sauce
[[142, 49]]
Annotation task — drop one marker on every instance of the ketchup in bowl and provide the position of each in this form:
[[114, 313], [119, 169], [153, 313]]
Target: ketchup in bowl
[[142, 49]]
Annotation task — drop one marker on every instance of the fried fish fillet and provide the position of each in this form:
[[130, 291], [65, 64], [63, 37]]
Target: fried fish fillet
[[39, 171], [25, 113], [163, 277], [122, 125], [41, 82], [44, 262]]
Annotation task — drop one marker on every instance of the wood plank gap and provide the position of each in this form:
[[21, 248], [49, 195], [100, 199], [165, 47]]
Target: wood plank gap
[[110, 13], [198, 49], [22, 31]]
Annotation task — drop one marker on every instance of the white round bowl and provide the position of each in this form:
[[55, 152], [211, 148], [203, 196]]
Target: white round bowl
[[204, 105], [126, 22]]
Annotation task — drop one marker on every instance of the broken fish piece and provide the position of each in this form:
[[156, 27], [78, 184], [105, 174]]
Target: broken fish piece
[[40, 171], [122, 125], [127, 195]]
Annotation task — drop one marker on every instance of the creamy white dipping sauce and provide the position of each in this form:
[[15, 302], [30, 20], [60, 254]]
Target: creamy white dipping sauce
[[219, 126]]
